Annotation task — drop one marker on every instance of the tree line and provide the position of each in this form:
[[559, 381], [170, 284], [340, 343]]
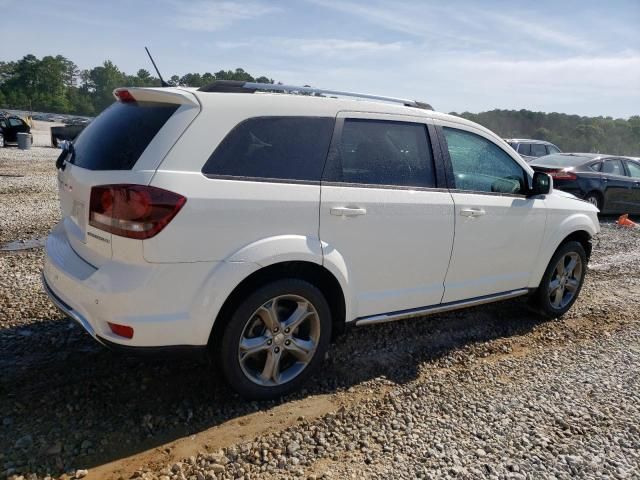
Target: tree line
[[57, 85], [571, 133]]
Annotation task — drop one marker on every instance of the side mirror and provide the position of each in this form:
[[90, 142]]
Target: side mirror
[[541, 184]]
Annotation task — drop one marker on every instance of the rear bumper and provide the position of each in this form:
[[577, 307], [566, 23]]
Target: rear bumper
[[68, 310], [165, 304]]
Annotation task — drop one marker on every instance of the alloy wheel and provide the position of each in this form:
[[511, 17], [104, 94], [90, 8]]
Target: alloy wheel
[[593, 200], [565, 280], [279, 340]]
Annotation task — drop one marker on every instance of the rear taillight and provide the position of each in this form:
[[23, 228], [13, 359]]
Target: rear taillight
[[133, 211], [562, 175]]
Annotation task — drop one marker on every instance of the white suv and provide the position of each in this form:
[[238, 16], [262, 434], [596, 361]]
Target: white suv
[[252, 221]]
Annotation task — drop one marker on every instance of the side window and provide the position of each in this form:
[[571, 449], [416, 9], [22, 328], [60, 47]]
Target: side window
[[3, 123], [15, 122], [382, 152], [480, 165], [538, 149], [552, 149], [596, 166], [288, 148], [613, 167], [524, 149], [634, 169]]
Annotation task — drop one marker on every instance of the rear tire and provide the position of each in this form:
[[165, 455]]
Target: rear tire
[[594, 198], [275, 340], [562, 280]]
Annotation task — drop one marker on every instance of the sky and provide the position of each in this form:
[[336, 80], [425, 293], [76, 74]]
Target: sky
[[578, 57]]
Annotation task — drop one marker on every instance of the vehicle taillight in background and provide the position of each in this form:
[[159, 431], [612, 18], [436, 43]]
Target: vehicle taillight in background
[[133, 211], [562, 175]]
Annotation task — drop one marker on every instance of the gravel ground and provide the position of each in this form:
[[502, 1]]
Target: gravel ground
[[492, 392]]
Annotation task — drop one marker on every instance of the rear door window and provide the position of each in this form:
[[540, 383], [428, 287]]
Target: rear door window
[[116, 139], [538, 150], [524, 149], [382, 152], [613, 167], [278, 148]]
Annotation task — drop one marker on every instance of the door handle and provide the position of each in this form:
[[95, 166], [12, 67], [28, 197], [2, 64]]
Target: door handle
[[472, 212], [348, 211]]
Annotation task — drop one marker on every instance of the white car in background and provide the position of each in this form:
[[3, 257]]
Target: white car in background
[[253, 222]]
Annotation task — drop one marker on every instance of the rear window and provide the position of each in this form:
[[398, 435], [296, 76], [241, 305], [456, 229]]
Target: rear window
[[279, 148], [118, 136]]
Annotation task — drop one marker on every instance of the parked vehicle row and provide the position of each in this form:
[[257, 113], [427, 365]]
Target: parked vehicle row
[[610, 183], [254, 224], [530, 149]]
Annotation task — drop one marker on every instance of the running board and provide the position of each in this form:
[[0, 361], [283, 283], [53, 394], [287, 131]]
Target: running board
[[444, 307]]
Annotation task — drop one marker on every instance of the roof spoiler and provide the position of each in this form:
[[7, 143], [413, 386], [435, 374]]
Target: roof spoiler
[[156, 94]]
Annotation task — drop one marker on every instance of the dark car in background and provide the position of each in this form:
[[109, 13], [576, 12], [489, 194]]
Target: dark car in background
[[612, 183], [530, 149], [10, 126]]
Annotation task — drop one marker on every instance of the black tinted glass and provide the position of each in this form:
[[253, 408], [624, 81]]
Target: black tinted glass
[[118, 136], [289, 148], [524, 149], [380, 152]]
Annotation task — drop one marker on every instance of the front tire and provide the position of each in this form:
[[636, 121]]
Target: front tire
[[562, 280], [275, 339]]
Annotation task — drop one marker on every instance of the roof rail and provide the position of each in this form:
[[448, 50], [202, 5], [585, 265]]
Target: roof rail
[[234, 86]]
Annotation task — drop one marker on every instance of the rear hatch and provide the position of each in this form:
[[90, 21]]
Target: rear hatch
[[123, 145]]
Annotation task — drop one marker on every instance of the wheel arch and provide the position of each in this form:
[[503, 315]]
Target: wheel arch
[[314, 273], [580, 232], [598, 194]]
